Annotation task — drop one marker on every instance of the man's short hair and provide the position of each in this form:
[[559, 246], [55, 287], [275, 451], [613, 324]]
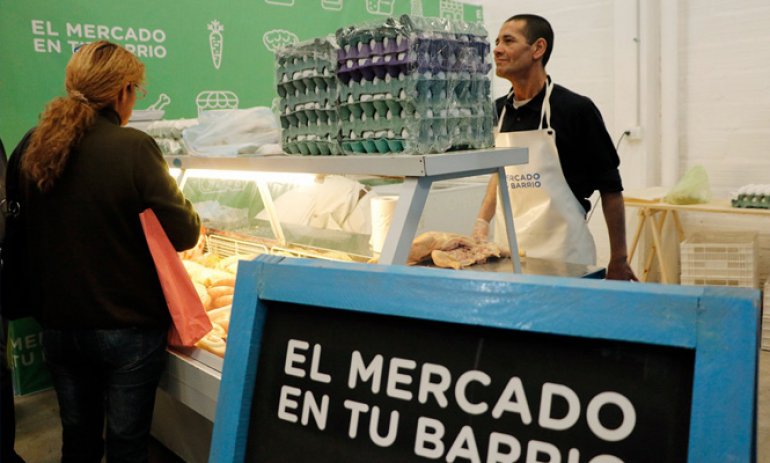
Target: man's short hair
[[536, 27]]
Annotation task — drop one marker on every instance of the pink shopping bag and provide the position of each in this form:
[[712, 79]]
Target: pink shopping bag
[[190, 322]]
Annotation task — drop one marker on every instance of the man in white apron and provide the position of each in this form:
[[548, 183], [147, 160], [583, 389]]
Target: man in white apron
[[570, 156]]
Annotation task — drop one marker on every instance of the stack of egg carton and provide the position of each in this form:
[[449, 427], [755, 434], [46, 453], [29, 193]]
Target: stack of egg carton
[[413, 85], [753, 196], [308, 95]]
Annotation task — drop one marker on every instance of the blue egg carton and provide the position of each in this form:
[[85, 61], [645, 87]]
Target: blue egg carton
[[435, 125], [307, 82], [418, 135], [318, 139], [315, 100], [313, 148], [462, 88], [315, 131], [305, 118], [309, 112], [376, 109], [374, 146]]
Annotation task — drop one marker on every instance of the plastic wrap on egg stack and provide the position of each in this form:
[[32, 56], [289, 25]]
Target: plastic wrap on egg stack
[[414, 85], [307, 90]]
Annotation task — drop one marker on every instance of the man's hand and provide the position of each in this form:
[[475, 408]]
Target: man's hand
[[618, 269]]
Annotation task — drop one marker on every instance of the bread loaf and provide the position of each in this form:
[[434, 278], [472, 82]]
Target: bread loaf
[[222, 301], [207, 260], [221, 317], [203, 295], [218, 291], [230, 281], [230, 264], [194, 269], [213, 343]]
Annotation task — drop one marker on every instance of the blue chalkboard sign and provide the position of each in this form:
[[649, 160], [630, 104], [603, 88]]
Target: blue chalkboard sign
[[331, 362]]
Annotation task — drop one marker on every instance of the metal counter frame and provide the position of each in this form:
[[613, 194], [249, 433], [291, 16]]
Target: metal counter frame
[[420, 171]]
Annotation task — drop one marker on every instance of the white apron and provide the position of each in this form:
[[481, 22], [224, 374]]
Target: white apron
[[550, 222]]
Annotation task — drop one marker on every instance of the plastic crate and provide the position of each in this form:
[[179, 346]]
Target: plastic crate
[[720, 259], [766, 316]]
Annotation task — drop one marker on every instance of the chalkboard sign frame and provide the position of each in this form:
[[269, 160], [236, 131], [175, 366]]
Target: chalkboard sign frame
[[721, 325]]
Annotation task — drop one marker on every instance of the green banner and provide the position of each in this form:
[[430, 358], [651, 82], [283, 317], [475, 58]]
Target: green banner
[[212, 54], [25, 357]]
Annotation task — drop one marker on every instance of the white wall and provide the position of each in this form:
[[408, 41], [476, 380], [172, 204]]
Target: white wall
[[583, 35], [616, 53], [725, 103], [726, 91]]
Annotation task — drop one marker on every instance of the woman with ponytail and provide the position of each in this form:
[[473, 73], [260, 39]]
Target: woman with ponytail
[[89, 276]]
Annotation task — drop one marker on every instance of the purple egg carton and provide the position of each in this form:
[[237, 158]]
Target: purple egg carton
[[388, 45], [423, 55]]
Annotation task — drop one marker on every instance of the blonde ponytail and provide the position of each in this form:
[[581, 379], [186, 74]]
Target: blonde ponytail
[[95, 75]]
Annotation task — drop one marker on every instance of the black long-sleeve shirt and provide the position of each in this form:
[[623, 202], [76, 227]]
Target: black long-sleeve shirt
[[87, 261], [588, 158]]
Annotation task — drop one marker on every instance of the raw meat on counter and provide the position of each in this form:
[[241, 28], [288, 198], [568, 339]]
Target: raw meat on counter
[[451, 250], [425, 244]]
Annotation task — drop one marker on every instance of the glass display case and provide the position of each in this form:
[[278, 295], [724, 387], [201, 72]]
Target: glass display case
[[319, 206], [305, 206], [248, 212]]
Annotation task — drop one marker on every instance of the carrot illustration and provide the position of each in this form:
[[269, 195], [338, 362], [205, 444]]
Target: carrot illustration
[[216, 42]]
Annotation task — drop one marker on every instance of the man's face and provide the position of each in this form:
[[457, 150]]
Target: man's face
[[513, 55]]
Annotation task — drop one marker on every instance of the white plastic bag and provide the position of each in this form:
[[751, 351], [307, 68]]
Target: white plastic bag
[[233, 132], [333, 202]]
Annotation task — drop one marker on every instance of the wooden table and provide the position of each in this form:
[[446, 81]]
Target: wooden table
[[655, 213]]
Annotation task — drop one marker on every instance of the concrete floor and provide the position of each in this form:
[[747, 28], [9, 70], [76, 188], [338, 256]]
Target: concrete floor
[[38, 429]]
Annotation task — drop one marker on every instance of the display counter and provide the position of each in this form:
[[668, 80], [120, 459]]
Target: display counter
[[419, 173], [192, 379], [186, 403]]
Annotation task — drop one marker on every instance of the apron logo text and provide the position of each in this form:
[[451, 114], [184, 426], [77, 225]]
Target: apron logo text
[[528, 180]]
